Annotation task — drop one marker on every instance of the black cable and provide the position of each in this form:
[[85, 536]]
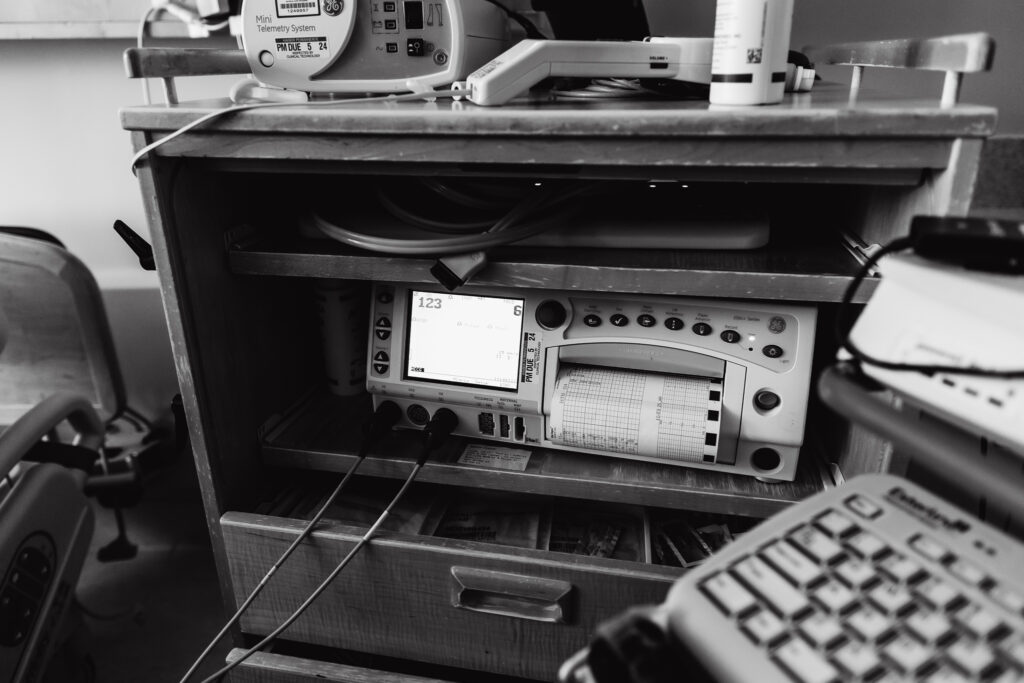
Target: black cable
[[383, 419], [531, 29], [435, 432], [842, 327]]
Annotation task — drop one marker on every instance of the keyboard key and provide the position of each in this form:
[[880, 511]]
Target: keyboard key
[[930, 627], [939, 594], [970, 573], [857, 573], [836, 524], [822, 630], [1007, 676], [1014, 651], [902, 569], [869, 624], [731, 597], [867, 545], [835, 597], [981, 623], [1008, 598], [793, 564], [764, 628], [946, 675], [816, 544], [857, 659], [907, 653], [771, 587], [863, 507], [971, 656], [891, 598], [804, 663], [931, 549]]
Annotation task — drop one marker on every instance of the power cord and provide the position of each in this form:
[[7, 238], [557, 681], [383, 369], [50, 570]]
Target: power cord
[[843, 326], [435, 432], [383, 419]]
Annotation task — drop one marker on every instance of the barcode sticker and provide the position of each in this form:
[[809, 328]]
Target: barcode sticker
[[297, 8]]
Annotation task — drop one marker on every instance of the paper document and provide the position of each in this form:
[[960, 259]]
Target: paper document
[[639, 413]]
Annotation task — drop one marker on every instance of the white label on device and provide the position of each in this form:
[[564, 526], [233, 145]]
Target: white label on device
[[307, 47], [498, 457]]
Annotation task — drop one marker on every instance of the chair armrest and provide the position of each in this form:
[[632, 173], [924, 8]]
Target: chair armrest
[[956, 55], [168, 63], [17, 439]]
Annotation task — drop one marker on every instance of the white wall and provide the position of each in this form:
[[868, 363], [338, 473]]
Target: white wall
[[64, 169]]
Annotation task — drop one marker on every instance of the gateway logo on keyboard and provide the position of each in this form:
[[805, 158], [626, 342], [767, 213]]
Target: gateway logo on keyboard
[[926, 513]]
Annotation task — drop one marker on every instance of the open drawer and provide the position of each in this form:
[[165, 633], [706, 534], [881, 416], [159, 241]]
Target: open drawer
[[519, 611]]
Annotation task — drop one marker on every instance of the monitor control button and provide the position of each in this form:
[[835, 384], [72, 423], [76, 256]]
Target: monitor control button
[[382, 356], [619, 320], [767, 400], [703, 329], [592, 320], [730, 336], [383, 321], [380, 368], [646, 320], [673, 323], [772, 351], [382, 334], [551, 314]]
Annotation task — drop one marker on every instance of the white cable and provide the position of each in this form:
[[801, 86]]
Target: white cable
[[503, 231], [428, 223], [219, 113]]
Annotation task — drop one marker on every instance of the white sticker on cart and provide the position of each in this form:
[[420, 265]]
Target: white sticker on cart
[[302, 47], [498, 457]]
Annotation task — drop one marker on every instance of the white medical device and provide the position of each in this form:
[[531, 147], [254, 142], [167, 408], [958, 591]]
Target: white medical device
[[530, 61], [362, 46], [929, 313], [707, 383]]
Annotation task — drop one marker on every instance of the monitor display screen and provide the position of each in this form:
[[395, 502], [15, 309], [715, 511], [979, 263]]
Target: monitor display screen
[[463, 339]]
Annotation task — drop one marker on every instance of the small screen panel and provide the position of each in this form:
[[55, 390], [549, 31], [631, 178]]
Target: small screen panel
[[462, 339]]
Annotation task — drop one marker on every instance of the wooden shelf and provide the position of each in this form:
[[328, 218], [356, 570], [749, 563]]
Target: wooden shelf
[[794, 273], [312, 436]]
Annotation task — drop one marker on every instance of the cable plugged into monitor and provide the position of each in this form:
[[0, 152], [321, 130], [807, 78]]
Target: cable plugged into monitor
[[379, 425], [435, 433]]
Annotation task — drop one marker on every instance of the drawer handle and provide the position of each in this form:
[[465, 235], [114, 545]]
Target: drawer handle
[[511, 595]]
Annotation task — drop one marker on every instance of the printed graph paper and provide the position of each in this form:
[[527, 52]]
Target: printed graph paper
[[633, 412]]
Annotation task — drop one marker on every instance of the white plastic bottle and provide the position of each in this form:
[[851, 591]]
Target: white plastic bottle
[[748, 60]]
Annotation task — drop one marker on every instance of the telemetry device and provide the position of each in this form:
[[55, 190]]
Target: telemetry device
[[360, 46], [530, 61]]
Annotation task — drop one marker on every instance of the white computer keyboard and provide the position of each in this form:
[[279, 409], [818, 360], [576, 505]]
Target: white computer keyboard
[[875, 580]]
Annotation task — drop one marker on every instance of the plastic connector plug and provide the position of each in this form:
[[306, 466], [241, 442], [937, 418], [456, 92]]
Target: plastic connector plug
[[456, 270], [441, 425]]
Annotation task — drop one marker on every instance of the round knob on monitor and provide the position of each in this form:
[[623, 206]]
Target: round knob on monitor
[[766, 400], [551, 314]]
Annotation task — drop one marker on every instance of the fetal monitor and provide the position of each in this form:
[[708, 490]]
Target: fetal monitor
[[359, 46], [713, 384]]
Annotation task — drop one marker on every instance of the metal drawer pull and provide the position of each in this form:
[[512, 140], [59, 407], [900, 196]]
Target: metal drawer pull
[[512, 595]]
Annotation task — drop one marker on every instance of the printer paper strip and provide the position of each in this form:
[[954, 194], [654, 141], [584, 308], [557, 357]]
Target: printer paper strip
[[638, 413]]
